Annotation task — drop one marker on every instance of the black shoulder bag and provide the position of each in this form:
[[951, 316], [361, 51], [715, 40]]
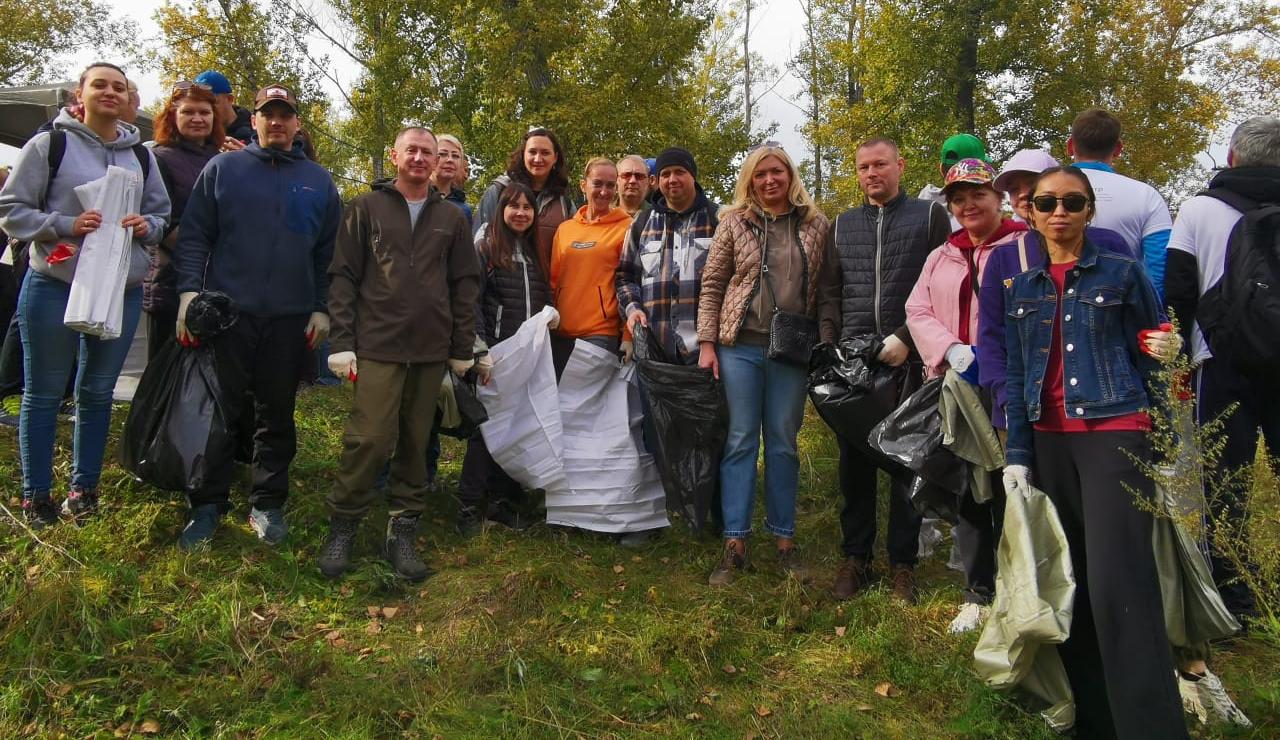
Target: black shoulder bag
[[791, 335]]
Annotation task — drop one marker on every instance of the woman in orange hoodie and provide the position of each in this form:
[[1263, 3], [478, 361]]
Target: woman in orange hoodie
[[584, 256]]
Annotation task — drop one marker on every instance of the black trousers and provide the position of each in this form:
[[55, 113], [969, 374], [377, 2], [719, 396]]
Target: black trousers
[[1118, 657], [1257, 409], [259, 355], [161, 331], [859, 486], [977, 534], [483, 480]]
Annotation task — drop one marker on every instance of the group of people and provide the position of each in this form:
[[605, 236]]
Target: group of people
[[1052, 311]]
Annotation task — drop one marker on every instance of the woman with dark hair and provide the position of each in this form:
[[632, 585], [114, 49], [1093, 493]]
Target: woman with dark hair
[[1079, 381], [49, 214], [188, 134], [514, 286], [539, 163]]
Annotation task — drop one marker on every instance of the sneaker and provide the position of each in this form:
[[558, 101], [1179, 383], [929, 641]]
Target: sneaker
[[506, 514], [732, 562], [791, 565], [399, 548], [199, 531], [67, 410], [1206, 698], [637, 540], [80, 505], [852, 576], [269, 524], [335, 558], [904, 583], [9, 419], [970, 618], [39, 512]]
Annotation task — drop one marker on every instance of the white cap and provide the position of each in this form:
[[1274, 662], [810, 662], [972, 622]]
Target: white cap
[[1026, 160]]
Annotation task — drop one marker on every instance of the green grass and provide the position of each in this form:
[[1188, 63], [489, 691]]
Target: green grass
[[541, 634]]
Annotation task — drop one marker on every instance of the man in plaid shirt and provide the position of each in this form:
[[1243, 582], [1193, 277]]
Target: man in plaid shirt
[[660, 272]]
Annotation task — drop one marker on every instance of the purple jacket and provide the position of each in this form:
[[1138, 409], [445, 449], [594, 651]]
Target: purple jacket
[[1002, 265]]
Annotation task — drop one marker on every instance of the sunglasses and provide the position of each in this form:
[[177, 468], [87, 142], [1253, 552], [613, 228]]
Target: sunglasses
[[184, 85], [1074, 203]]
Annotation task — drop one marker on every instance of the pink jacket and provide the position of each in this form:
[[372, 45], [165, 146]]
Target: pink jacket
[[933, 307]]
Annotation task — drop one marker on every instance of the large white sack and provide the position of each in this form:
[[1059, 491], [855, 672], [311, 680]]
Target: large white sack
[[96, 303]]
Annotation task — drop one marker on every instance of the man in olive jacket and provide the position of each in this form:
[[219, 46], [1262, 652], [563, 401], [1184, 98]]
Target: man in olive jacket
[[402, 297]]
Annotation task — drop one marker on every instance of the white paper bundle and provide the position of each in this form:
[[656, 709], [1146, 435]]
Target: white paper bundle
[[96, 303]]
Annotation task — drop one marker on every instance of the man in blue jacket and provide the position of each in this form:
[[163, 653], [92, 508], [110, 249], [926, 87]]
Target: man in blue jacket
[[259, 226]]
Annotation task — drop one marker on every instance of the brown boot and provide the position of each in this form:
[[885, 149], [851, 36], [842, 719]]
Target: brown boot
[[734, 560], [904, 583], [852, 576]]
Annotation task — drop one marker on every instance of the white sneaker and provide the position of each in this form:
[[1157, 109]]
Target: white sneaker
[[1207, 697], [970, 618]]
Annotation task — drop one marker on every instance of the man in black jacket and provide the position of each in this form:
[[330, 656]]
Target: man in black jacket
[[878, 249], [403, 289]]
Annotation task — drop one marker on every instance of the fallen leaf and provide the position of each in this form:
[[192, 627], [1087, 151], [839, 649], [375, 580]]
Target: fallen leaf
[[340, 642], [840, 631], [346, 591], [651, 594], [693, 716], [705, 700], [373, 611], [333, 635], [618, 568], [666, 560], [390, 611], [33, 571], [157, 625], [763, 711], [887, 690], [729, 668], [417, 628], [487, 610]]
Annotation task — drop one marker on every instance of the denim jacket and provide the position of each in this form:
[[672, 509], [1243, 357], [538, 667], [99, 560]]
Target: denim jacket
[[1108, 300]]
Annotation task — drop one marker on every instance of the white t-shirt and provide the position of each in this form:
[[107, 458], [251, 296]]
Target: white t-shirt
[[415, 210], [1204, 224], [1128, 207]]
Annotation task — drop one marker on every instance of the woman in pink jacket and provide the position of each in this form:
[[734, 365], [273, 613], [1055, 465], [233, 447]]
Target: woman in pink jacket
[[942, 314]]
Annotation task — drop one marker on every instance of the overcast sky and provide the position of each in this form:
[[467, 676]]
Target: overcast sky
[[779, 30]]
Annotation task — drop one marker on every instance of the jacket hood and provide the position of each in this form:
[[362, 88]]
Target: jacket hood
[[127, 135], [268, 154], [613, 216], [1256, 183], [659, 202], [960, 238]]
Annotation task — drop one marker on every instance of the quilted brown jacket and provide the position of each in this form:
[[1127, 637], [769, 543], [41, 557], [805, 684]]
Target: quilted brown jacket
[[732, 273]]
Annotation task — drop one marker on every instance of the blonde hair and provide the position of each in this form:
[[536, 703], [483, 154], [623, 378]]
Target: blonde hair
[[744, 199], [452, 140], [596, 162]]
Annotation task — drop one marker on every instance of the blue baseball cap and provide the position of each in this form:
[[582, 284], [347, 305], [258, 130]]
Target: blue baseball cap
[[652, 164], [217, 82]]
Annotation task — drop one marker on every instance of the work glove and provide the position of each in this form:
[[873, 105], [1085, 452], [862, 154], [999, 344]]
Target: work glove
[[960, 357], [460, 367], [317, 329], [184, 336], [484, 369], [343, 364], [894, 352], [1017, 480], [1163, 344], [628, 350], [554, 323]]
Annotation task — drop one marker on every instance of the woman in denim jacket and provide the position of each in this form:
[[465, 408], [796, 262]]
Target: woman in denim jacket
[[1078, 384]]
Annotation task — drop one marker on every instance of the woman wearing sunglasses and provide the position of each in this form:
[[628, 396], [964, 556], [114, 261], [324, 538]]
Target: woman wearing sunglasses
[[188, 134], [942, 314], [1078, 384]]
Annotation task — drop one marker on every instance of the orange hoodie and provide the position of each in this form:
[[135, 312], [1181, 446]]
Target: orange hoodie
[[584, 257]]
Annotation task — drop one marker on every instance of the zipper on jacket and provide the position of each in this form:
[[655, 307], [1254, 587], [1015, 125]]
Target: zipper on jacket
[[497, 322], [879, 249], [528, 299]]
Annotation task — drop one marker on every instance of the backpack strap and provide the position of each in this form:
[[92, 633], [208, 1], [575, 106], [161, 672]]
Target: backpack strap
[[57, 150], [1022, 252], [144, 160], [1231, 198]]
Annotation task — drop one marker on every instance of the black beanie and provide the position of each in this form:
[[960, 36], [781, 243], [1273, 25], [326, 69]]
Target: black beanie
[[676, 156]]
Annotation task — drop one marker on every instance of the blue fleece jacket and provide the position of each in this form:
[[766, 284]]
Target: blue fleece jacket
[[263, 221]]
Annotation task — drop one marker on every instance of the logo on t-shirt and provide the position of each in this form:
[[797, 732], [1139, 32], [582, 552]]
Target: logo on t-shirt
[[582, 245]]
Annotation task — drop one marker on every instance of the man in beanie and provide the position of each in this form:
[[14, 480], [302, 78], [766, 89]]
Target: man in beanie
[[259, 226]]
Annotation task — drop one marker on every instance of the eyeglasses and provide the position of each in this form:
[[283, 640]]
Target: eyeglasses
[[184, 85], [450, 155], [1074, 203], [633, 176]]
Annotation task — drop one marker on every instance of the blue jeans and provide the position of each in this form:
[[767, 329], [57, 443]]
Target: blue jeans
[[49, 350], [764, 396]]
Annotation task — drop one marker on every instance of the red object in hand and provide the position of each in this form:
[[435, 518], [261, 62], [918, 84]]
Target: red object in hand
[[61, 253], [1182, 386], [351, 375], [1144, 333]]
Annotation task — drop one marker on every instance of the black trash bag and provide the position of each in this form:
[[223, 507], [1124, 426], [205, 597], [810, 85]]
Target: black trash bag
[[177, 422], [210, 314], [690, 421], [912, 437], [934, 501], [470, 410], [853, 391]]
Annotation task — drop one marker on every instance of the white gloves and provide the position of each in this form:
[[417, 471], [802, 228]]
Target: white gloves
[[343, 364], [960, 357], [184, 302], [317, 329], [484, 369], [895, 351], [460, 367], [554, 323], [628, 350], [1162, 344], [1017, 480]]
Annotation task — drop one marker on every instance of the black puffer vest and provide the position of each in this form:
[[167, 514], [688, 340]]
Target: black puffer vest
[[509, 297], [881, 252]]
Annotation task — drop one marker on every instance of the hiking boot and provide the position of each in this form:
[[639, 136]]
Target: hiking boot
[[469, 522], [852, 577], [199, 531], [1206, 698], [269, 524], [904, 583], [509, 516], [335, 557], [400, 551], [80, 505], [970, 618], [39, 512], [790, 564], [734, 560]]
